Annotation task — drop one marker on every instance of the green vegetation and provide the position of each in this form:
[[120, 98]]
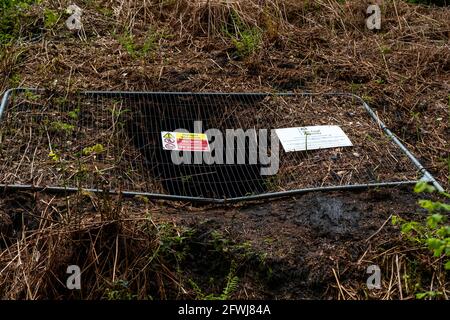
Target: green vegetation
[[31, 96], [97, 149], [355, 87], [272, 182], [54, 156], [367, 98], [118, 112], [245, 39], [120, 291], [12, 15], [214, 252], [51, 17], [74, 113], [230, 287], [143, 49], [433, 233], [385, 50], [14, 80], [58, 126]]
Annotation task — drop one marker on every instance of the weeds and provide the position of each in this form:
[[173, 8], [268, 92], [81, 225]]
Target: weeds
[[120, 291], [51, 17], [145, 49], [58, 126], [14, 80], [433, 233], [31, 96], [12, 16], [245, 39], [232, 282], [74, 113], [95, 149], [54, 156]]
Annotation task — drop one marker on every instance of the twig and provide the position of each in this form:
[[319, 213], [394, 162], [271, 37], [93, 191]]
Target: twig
[[381, 228], [338, 283]]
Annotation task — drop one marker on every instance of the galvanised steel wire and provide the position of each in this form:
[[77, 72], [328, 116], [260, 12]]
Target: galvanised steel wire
[[111, 141]]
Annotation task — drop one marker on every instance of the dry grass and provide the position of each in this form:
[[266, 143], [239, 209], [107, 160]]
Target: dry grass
[[96, 234], [405, 271]]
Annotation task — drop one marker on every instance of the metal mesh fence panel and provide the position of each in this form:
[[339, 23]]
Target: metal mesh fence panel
[[112, 141]]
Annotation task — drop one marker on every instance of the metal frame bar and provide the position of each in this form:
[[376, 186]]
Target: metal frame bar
[[425, 174], [160, 196]]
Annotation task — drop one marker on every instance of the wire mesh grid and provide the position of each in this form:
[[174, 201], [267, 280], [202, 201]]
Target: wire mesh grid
[[112, 141]]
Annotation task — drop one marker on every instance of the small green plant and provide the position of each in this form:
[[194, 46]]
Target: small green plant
[[60, 101], [95, 149], [355, 87], [142, 199], [367, 98], [127, 42], [140, 50], [415, 117], [51, 17], [244, 38], [385, 50], [13, 17], [428, 294], [232, 282], [434, 232], [173, 243], [106, 11], [247, 42], [15, 79], [150, 43], [59, 126], [31, 96], [186, 179], [82, 172], [119, 291], [271, 182], [118, 112], [54, 156], [74, 113]]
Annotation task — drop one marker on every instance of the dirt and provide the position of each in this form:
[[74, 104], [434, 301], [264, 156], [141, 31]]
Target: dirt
[[303, 239]]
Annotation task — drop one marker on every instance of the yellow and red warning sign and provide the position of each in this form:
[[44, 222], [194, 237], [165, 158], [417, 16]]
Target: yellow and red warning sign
[[181, 141]]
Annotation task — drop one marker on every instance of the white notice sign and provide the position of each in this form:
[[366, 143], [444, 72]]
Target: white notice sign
[[311, 138]]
